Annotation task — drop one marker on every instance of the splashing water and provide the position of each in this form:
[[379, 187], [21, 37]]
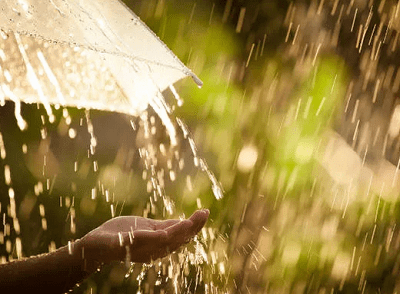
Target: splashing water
[[318, 208], [58, 74], [298, 202]]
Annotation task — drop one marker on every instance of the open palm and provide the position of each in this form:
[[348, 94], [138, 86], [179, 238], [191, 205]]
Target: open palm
[[141, 239]]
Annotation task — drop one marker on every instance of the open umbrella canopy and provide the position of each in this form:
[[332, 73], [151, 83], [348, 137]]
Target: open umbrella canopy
[[93, 54]]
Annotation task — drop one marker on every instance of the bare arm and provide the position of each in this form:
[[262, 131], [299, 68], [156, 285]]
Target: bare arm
[[55, 272], [143, 239]]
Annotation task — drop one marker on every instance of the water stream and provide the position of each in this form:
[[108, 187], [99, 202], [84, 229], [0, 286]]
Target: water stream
[[303, 125], [56, 76]]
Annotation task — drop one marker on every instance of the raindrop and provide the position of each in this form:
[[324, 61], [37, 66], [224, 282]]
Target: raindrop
[[72, 133], [3, 34]]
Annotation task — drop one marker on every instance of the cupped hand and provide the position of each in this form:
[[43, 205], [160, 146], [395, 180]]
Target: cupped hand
[[140, 239]]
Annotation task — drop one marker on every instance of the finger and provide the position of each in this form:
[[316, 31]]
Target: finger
[[180, 231], [199, 215], [161, 225], [199, 219]]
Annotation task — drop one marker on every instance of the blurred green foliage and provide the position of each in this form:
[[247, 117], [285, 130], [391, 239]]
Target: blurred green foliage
[[263, 121], [267, 107]]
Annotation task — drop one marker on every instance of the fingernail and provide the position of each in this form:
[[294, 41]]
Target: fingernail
[[206, 211]]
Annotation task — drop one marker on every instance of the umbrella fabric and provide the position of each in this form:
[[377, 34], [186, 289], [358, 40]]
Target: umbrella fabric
[[82, 53]]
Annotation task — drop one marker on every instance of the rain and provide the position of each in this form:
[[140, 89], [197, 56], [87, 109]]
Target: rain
[[288, 131]]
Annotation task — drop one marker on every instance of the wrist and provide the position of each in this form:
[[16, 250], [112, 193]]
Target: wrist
[[81, 260], [87, 256]]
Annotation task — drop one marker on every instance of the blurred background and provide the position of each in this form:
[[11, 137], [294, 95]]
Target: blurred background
[[299, 120]]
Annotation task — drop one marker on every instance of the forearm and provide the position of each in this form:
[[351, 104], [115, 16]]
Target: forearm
[[55, 272]]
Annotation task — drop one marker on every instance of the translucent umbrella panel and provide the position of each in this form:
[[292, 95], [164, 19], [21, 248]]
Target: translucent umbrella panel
[[33, 71], [92, 54]]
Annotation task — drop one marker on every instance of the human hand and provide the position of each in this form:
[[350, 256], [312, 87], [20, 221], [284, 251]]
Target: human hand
[[141, 238]]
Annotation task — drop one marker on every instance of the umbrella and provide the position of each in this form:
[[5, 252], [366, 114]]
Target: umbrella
[[94, 54]]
